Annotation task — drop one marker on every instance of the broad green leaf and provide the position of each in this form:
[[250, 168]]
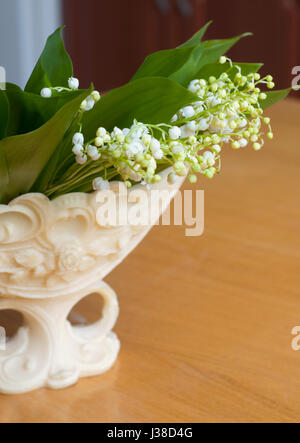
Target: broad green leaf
[[54, 66], [149, 100], [163, 63], [23, 157], [30, 111], [60, 161], [4, 114], [274, 97], [197, 38], [207, 52], [216, 69]]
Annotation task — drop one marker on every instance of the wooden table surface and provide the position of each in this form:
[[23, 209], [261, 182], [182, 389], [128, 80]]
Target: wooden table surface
[[205, 322]]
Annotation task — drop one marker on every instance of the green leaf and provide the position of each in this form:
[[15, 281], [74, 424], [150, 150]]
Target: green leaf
[[23, 157], [4, 113], [54, 66], [183, 63], [149, 100], [163, 63], [207, 52], [61, 160], [197, 38], [30, 111], [274, 97], [216, 69]]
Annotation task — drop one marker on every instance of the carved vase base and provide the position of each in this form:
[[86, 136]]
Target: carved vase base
[[96, 359], [48, 351]]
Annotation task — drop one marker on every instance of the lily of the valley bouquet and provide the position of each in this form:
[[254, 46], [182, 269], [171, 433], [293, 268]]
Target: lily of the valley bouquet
[[179, 110]]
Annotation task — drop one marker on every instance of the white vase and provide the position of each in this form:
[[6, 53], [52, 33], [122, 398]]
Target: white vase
[[52, 255]]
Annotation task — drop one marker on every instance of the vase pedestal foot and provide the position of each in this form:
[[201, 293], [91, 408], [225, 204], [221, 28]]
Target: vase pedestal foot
[[48, 351]]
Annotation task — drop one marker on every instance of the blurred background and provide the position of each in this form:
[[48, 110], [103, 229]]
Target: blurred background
[[108, 39]]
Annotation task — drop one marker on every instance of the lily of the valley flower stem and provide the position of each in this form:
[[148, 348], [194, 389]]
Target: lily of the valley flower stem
[[73, 84], [228, 112]]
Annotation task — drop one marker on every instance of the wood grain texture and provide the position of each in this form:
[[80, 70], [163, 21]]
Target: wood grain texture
[[205, 322]]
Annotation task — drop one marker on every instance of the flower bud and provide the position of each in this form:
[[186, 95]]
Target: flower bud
[[209, 173], [158, 154], [93, 152], [236, 145], [154, 145], [146, 139], [243, 142], [96, 96], [78, 139], [83, 105], [157, 178], [179, 168], [77, 149], [203, 124], [81, 159], [193, 178], [217, 148], [101, 132], [172, 178], [196, 167], [99, 141], [89, 104], [257, 146], [99, 184], [188, 112], [46, 93], [175, 133], [73, 83]]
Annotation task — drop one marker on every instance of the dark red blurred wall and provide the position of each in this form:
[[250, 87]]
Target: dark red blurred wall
[[276, 28], [108, 39]]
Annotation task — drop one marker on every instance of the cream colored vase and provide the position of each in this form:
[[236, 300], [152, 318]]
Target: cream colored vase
[[52, 255]]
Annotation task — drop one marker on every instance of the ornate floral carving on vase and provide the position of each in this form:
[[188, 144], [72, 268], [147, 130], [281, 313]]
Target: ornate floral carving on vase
[[46, 245]]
